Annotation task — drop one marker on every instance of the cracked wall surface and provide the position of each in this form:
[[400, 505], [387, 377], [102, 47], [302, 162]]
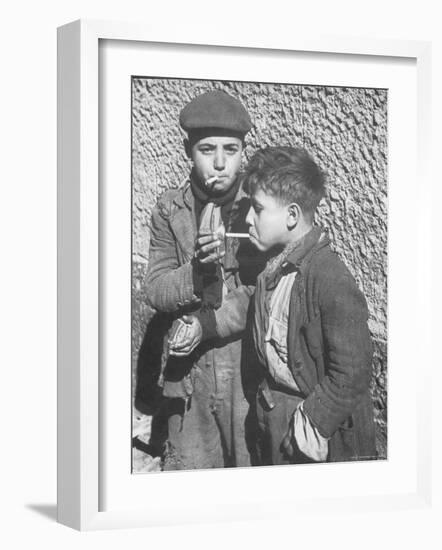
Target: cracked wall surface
[[345, 130]]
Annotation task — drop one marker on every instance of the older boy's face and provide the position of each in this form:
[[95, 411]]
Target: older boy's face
[[267, 219], [218, 156]]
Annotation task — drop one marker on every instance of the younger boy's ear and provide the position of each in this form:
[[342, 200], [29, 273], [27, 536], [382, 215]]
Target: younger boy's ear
[[187, 148], [294, 214]]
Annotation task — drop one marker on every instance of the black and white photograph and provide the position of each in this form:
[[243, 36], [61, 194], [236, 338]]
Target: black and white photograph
[[221, 275], [259, 274]]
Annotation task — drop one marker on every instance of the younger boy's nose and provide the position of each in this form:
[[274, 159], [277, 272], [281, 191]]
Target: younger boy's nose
[[249, 217]]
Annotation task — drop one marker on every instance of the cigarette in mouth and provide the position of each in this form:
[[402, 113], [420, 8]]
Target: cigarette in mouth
[[238, 235], [211, 181]]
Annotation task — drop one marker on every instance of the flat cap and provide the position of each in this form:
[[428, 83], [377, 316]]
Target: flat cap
[[215, 109]]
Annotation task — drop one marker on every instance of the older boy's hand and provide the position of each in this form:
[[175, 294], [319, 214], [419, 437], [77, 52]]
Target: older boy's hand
[[206, 248], [187, 338]]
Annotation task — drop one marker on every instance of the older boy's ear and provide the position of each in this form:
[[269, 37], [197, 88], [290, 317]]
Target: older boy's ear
[[187, 148], [294, 214]]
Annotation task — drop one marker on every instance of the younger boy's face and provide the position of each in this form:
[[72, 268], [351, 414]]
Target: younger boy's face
[[268, 222]]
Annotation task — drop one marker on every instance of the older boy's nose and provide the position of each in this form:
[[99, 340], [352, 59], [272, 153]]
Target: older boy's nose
[[219, 161]]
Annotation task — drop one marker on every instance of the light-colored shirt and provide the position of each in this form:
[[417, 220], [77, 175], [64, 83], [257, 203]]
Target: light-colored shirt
[[308, 439]]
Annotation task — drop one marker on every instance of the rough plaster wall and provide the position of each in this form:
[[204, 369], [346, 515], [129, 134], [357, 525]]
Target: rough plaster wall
[[345, 129]]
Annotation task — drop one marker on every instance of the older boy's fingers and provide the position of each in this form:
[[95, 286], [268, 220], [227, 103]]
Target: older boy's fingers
[[189, 342], [181, 353], [188, 345], [179, 346], [207, 238], [212, 258], [183, 344], [209, 247]]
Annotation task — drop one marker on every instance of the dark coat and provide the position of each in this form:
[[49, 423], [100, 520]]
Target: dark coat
[[170, 292], [330, 353], [329, 344]]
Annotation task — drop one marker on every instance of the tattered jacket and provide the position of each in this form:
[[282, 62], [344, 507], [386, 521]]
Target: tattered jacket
[[169, 282], [329, 348]]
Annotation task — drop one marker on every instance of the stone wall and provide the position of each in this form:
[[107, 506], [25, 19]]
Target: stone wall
[[345, 130]]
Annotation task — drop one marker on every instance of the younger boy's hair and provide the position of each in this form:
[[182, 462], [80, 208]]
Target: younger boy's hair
[[289, 174]]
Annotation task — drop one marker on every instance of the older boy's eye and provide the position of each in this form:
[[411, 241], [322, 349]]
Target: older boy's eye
[[205, 150]]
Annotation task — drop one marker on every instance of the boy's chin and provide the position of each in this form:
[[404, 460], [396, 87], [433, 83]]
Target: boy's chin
[[260, 246], [268, 249]]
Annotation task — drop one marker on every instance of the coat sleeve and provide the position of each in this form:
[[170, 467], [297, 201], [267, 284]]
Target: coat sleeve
[[228, 320], [231, 317], [347, 354], [169, 285]]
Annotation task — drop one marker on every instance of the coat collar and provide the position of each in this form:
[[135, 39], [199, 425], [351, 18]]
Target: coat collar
[[185, 198], [302, 250], [306, 245]]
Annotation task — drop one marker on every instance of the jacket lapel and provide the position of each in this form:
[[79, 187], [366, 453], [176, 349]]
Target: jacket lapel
[[298, 314]]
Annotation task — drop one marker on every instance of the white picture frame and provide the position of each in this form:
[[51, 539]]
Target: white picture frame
[[80, 393]]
